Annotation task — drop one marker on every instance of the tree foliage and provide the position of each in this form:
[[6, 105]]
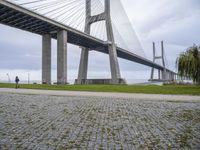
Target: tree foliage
[[188, 63]]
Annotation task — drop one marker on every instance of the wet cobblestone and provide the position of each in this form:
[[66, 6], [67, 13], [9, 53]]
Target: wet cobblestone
[[57, 122]]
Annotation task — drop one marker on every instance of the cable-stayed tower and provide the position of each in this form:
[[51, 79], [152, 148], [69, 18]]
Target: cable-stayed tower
[[114, 65], [162, 75]]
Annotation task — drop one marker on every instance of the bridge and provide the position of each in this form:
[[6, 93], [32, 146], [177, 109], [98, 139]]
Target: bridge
[[17, 16]]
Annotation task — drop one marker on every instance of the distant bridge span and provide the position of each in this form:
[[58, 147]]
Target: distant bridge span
[[19, 17]]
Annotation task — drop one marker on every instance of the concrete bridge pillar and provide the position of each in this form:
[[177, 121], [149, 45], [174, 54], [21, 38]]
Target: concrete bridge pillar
[[178, 77], [159, 77], [171, 78], [46, 59], [168, 76], [174, 77], [62, 57], [164, 75], [83, 66], [154, 59], [114, 65]]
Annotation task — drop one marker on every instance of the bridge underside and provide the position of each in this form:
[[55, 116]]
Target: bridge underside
[[27, 22], [21, 18]]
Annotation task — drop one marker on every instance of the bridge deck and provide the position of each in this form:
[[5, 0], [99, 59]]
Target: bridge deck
[[24, 19]]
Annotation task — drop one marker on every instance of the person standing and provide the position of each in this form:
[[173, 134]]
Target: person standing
[[17, 82]]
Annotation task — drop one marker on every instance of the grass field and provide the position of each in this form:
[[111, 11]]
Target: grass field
[[149, 89]]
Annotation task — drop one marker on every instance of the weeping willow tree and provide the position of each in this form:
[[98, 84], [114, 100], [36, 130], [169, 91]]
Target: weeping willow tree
[[188, 64]]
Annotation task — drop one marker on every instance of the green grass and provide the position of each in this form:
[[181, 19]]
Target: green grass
[[149, 89]]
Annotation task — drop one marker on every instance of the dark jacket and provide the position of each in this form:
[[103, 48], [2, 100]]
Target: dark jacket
[[16, 79]]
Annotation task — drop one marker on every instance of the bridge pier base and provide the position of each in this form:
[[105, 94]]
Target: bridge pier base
[[62, 57], [46, 59], [100, 81]]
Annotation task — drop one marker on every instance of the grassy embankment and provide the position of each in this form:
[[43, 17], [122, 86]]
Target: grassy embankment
[[149, 89]]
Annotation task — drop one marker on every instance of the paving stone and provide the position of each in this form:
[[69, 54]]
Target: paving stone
[[55, 122]]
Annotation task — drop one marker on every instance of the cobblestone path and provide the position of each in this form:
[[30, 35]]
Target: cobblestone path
[[57, 122]]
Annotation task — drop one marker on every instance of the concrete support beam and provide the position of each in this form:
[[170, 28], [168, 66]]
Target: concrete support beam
[[172, 76], [62, 57], [159, 77], [46, 59], [163, 61], [164, 75], [162, 51], [154, 59], [167, 75], [114, 65], [83, 66]]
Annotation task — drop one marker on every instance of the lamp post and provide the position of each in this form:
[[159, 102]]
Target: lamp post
[[8, 78], [28, 78]]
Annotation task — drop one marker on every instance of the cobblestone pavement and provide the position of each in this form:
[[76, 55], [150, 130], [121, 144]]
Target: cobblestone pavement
[[58, 122]]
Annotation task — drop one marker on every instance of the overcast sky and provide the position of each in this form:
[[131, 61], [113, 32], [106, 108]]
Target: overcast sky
[[175, 22]]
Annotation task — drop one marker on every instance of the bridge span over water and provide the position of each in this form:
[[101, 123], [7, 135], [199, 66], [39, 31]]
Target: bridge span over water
[[19, 17]]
